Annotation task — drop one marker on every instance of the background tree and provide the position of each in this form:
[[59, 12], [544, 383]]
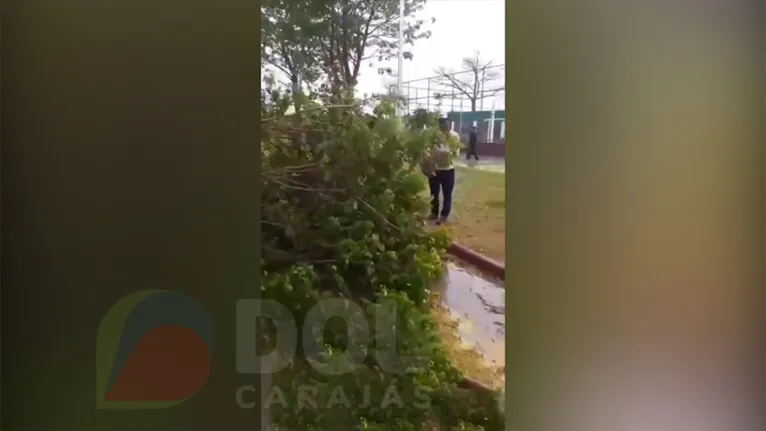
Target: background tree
[[367, 31], [290, 32], [309, 40], [476, 74], [421, 118]]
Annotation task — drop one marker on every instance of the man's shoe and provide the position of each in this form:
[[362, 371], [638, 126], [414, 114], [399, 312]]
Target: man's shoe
[[442, 220], [433, 218]]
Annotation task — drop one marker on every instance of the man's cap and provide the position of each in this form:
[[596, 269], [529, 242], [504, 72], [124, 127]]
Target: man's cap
[[442, 120]]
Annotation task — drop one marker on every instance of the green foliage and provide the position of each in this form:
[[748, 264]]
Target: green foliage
[[343, 217], [338, 193], [290, 34], [307, 39], [422, 118]]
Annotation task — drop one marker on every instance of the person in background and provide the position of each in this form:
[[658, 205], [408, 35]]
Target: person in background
[[446, 149], [473, 139]]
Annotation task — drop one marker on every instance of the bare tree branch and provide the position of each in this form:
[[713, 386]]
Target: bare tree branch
[[470, 82]]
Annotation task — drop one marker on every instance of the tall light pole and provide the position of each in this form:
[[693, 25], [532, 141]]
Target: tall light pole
[[400, 68]]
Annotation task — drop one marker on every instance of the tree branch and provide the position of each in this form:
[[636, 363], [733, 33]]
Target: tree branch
[[449, 80], [362, 42], [490, 93]]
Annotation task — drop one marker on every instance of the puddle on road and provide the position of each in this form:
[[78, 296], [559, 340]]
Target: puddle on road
[[478, 305]]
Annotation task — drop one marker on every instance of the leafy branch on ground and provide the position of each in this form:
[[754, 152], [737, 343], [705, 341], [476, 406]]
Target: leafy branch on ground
[[343, 217]]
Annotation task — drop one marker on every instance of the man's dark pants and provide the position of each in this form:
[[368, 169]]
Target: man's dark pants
[[472, 152], [444, 181]]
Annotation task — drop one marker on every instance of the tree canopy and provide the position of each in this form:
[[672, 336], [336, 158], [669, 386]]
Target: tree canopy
[[333, 40]]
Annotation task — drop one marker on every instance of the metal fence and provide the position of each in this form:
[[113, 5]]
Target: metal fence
[[435, 93]]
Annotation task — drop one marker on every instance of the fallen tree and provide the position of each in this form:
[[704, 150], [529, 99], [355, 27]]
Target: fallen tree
[[343, 217]]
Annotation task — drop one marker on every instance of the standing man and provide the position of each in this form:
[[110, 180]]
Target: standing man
[[473, 138], [445, 151]]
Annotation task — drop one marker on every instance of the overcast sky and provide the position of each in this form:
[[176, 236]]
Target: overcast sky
[[461, 27]]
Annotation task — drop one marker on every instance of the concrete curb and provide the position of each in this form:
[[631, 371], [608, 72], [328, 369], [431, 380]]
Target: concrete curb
[[480, 261], [473, 385]]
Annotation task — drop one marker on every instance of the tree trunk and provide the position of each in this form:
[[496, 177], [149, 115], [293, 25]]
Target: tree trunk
[[296, 85], [473, 105]]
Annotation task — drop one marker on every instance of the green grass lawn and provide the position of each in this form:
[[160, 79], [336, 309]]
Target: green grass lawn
[[478, 211]]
